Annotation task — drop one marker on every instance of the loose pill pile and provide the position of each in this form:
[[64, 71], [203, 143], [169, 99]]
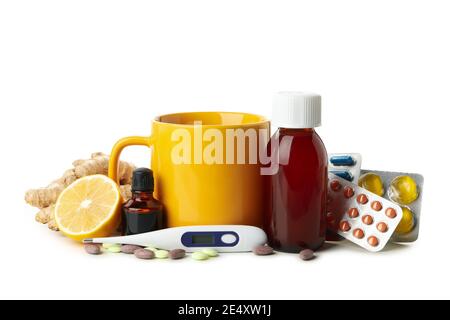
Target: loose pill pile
[[360, 216], [404, 189], [148, 253]]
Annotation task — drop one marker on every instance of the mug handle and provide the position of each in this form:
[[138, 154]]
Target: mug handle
[[117, 150]]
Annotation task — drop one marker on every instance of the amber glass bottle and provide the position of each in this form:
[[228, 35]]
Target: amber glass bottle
[[142, 213], [296, 218]]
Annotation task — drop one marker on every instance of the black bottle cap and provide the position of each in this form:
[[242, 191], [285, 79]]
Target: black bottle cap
[[143, 180]]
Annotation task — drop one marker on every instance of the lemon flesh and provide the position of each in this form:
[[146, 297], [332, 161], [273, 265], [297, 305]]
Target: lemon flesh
[[89, 208]]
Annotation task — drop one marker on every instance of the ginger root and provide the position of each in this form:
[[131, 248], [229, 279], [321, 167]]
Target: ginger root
[[45, 215], [52, 225], [45, 198], [98, 164]]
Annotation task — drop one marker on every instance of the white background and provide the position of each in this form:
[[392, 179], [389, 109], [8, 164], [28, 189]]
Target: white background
[[75, 76]]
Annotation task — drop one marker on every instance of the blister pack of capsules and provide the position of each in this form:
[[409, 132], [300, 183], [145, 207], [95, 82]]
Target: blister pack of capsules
[[361, 216], [405, 189], [345, 165]]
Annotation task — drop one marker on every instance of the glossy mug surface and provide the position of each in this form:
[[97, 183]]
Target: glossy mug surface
[[200, 191]]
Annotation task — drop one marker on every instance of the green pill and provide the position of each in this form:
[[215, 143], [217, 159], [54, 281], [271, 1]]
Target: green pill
[[110, 245], [151, 249], [161, 254], [115, 249], [200, 256], [210, 252]]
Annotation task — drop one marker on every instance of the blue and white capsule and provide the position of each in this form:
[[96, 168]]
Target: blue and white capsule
[[342, 160]]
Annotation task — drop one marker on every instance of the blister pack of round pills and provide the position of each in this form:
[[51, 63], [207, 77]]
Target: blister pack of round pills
[[360, 216]]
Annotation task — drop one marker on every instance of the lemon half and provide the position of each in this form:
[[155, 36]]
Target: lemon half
[[89, 208]]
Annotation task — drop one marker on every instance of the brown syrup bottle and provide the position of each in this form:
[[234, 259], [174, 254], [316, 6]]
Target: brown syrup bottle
[[296, 217]]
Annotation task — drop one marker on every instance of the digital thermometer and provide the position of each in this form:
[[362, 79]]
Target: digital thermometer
[[225, 238]]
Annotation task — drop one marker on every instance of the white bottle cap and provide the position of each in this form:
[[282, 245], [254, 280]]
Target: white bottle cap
[[297, 110]]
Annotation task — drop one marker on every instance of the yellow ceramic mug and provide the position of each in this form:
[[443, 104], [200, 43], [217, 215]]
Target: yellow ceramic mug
[[199, 181]]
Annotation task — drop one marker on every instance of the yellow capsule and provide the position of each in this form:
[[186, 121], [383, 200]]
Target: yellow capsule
[[403, 190], [407, 223], [372, 182]]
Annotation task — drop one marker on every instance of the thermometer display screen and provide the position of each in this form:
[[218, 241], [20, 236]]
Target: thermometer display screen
[[204, 239]]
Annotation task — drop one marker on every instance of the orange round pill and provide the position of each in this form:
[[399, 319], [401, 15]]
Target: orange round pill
[[353, 213], [349, 192], [358, 233], [391, 213], [382, 227], [373, 241], [344, 226], [362, 199], [335, 185], [376, 205], [367, 219]]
